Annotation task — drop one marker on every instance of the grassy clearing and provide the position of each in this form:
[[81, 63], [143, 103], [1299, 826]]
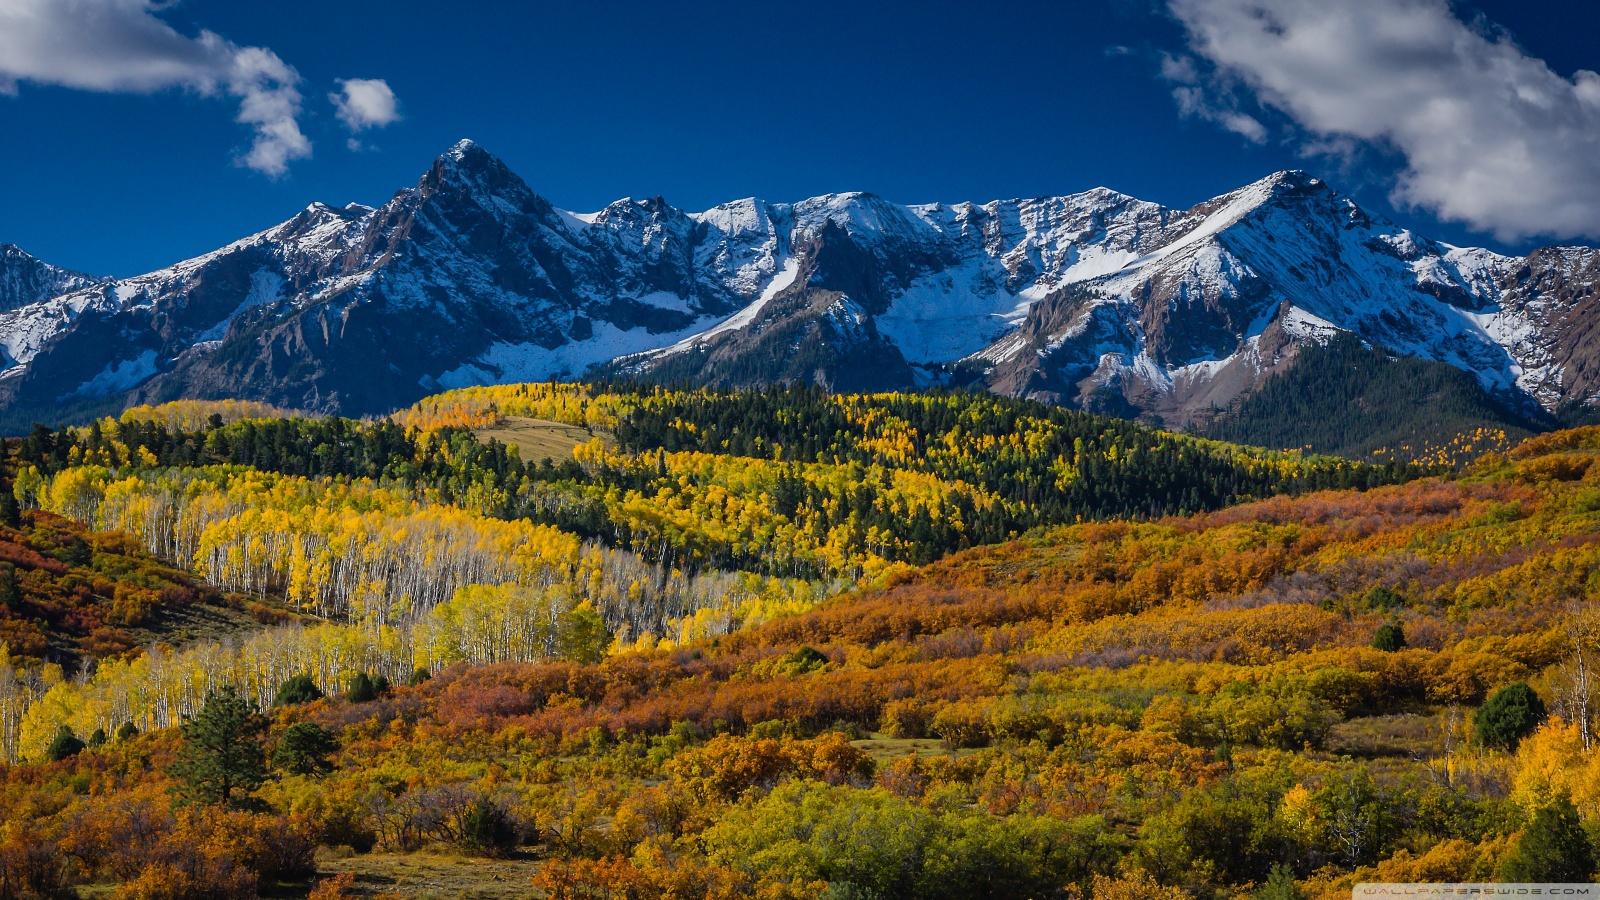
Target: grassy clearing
[[1401, 735], [184, 625], [882, 747], [537, 439], [433, 875]]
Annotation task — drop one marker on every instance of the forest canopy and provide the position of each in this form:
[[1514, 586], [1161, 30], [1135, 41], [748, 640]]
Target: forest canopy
[[784, 643]]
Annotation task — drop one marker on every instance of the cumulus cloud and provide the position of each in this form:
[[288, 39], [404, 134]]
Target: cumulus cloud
[[363, 103], [1491, 137], [122, 46]]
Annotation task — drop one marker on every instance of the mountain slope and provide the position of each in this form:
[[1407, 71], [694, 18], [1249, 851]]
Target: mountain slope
[[467, 277], [1348, 399], [25, 279], [1095, 299], [1249, 279]]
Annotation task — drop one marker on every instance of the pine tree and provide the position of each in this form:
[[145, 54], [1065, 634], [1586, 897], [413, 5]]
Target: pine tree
[[488, 828], [63, 745], [1280, 885], [361, 689], [1389, 637], [10, 587], [222, 761], [304, 748], [1509, 716], [295, 690], [10, 512], [1554, 847]]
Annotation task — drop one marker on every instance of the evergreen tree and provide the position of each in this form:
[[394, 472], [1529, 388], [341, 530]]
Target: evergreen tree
[[1554, 847], [1280, 885], [297, 689], [10, 511], [1509, 716], [222, 761], [361, 689], [488, 828], [63, 745], [304, 748], [1383, 599], [10, 587], [127, 731], [1389, 637]]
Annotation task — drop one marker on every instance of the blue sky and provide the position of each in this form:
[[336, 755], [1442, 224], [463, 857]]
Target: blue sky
[[118, 165]]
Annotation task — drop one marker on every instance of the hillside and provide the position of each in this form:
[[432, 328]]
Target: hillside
[[1319, 687], [684, 515], [69, 596], [1349, 400], [785, 482]]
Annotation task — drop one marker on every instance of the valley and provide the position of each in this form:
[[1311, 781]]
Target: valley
[[858, 451], [971, 640]]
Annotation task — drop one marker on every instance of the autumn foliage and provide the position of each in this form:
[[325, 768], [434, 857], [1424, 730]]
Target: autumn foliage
[[1140, 704]]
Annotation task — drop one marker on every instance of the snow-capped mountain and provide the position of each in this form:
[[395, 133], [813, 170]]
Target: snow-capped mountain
[[1094, 299], [26, 279], [1104, 301], [1242, 280]]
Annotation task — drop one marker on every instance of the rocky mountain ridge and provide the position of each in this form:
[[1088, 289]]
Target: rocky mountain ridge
[[1095, 299]]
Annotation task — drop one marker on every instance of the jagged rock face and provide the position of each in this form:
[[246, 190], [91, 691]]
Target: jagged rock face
[[1238, 283], [1093, 299], [25, 279], [1556, 292], [806, 328], [467, 277]]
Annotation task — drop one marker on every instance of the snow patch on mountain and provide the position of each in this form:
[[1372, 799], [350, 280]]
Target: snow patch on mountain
[[265, 287], [951, 314], [742, 319], [503, 362], [119, 376]]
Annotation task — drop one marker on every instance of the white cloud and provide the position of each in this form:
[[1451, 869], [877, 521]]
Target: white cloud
[[363, 103], [1491, 136], [1213, 103], [121, 46]]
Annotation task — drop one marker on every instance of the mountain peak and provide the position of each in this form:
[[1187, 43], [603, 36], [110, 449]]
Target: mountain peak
[[1293, 177], [467, 155], [25, 278], [460, 149], [468, 168], [1289, 186], [1104, 193], [1288, 183], [498, 284]]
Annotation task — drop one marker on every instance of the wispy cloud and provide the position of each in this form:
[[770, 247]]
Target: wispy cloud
[[1491, 136], [123, 46], [1213, 103]]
